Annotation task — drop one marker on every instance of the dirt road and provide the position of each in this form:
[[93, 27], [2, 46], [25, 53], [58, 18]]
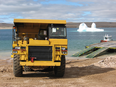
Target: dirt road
[[78, 73]]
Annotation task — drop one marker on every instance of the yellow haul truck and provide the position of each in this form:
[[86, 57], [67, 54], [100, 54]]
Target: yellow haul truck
[[39, 45]]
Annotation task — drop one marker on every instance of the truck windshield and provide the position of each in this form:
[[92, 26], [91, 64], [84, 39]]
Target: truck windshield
[[56, 32]]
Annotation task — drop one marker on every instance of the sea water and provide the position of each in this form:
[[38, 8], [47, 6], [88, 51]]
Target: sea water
[[5, 43], [76, 40]]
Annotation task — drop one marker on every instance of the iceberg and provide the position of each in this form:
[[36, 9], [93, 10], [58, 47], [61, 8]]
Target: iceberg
[[83, 28]]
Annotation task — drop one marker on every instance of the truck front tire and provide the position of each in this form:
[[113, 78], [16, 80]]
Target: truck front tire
[[60, 70], [17, 69]]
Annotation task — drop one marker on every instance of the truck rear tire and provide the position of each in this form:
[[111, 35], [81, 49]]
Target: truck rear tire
[[17, 69], [60, 70]]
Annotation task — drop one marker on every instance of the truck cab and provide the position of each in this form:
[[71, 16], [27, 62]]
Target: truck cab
[[39, 44]]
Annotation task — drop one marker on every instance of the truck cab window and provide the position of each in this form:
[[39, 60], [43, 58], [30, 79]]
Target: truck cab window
[[42, 34], [57, 32]]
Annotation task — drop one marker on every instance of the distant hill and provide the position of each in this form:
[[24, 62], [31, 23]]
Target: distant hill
[[6, 26], [98, 24], [69, 24]]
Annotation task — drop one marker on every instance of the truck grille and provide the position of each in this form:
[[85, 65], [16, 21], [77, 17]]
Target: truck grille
[[41, 53]]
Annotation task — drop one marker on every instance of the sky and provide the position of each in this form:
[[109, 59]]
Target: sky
[[69, 10]]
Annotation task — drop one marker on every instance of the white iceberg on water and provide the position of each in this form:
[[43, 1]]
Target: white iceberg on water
[[83, 28]]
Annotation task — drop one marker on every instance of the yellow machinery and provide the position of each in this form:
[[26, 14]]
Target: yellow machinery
[[39, 44]]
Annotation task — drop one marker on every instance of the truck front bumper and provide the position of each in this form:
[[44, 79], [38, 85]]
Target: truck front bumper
[[40, 63]]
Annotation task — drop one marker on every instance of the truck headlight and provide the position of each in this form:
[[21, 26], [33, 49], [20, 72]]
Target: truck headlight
[[63, 48], [23, 49], [15, 52], [17, 48]]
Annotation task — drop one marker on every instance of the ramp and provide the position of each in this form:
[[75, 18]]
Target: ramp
[[82, 52], [97, 52]]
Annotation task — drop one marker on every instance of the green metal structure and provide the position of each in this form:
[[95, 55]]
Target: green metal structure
[[96, 49], [97, 52], [82, 52]]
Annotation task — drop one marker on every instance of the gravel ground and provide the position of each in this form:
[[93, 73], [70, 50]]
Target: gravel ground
[[96, 72], [109, 62]]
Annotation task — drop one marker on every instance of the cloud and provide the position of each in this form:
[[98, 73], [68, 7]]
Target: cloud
[[70, 10], [16, 7]]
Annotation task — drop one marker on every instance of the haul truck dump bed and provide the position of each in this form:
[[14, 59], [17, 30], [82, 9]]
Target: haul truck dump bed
[[39, 45]]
